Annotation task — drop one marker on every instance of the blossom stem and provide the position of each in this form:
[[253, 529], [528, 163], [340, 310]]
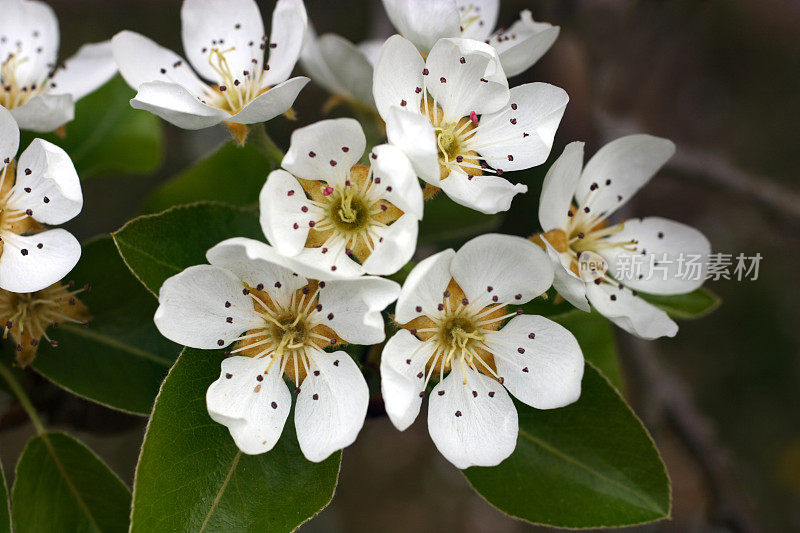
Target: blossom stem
[[19, 392], [263, 142]]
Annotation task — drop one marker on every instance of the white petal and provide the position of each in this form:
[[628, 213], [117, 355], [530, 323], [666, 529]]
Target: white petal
[[327, 262], [289, 22], [141, 60], [331, 407], [270, 104], [540, 361], [413, 134], [424, 22], [521, 135], [257, 263], [487, 194], [661, 256], [228, 25], [523, 43], [394, 248], [480, 17], [398, 74], [371, 49], [86, 71], [325, 150], [466, 76], [559, 186], [9, 137], [253, 409], [281, 205], [29, 30], [38, 267], [472, 429], [630, 312], [55, 189], [403, 359], [315, 64], [512, 269], [565, 282], [398, 181], [352, 70], [177, 105], [620, 168], [193, 308], [352, 308], [45, 112], [423, 288]]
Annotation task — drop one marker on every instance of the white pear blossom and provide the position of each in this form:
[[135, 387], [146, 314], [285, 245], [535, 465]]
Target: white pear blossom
[[40, 96], [424, 22], [281, 324], [452, 308], [46, 190], [225, 42], [341, 67], [457, 121], [590, 253], [335, 215]]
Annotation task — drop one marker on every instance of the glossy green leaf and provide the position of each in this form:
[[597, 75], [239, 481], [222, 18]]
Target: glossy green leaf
[[121, 359], [588, 465], [5, 504], [109, 137], [191, 476], [232, 174], [695, 304], [595, 335], [448, 223], [156, 247], [61, 485]]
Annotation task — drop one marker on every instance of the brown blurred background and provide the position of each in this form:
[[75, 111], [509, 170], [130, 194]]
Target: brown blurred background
[[719, 77]]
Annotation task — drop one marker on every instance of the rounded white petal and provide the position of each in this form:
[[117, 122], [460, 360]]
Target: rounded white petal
[[371, 49], [630, 312], [331, 407], [177, 105], [29, 30], [315, 64], [271, 103], [327, 262], [512, 269], [45, 112], [480, 17], [192, 308], [403, 377], [559, 186], [352, 70], [521, 135], [31, 263], [352, 308], [413, 134], [394, 247], [487, 194], [523, 43], [9, 137], [424, 22], [257, 263], [398, 181], [423, 288], [620, 168], [474, 424], [47, 172], [141, 60], [571, 287], [251, 402], [325, 150], [398, 75], [540, 361], [281, 204], [661, 256], [289, 22], [465, 77], [91, 67], [231, 26]]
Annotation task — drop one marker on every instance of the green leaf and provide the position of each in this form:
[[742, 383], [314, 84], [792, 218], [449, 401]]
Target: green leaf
[[121, 359], [448, 223], [5, 504], [232, 174], [191, 476], [596, 338], [695, 304], [108, 136], [588, 465], [156, 247], [61, 485]]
